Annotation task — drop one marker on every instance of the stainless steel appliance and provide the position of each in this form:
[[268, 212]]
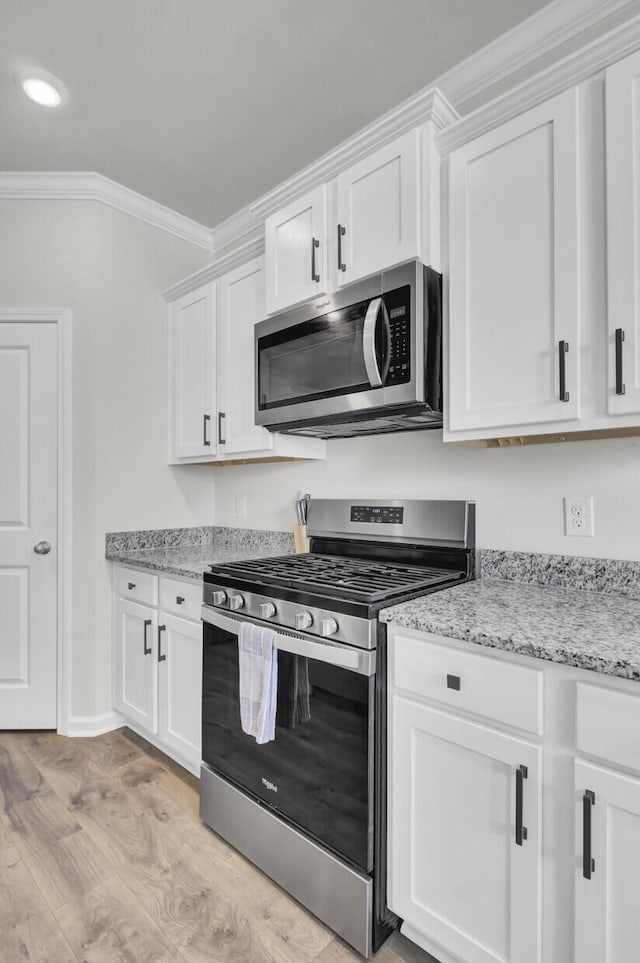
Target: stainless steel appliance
[[366, 360], [309, 808]]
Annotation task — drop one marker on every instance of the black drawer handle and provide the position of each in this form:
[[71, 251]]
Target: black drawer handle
[[147, 649], [315, 243], [521, 831], [131, 585], [179, 599], [453, 682], [161, 657], [563, 348], [620, 386], [588, 863]]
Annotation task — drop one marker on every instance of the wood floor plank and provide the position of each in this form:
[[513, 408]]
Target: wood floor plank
[[110, 751], [28, 930], [108, 926], [19, 777], [68, 868], [42, 820]]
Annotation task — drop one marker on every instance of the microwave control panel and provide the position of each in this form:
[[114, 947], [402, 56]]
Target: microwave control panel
[[398, 308]]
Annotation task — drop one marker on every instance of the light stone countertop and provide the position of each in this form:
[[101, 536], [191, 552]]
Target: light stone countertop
[[588, 630]]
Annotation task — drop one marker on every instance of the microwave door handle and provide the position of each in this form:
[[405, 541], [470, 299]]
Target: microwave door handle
[[334, 653], [369, 343], [387, 342]]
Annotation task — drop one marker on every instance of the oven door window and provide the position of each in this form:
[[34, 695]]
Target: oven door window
[[337, 354], [318, 772]]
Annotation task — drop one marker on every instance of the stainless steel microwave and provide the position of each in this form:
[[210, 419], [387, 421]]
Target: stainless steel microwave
[[366, 360]]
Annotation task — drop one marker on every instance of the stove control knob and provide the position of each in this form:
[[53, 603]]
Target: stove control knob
[[266, 610], [218, 598], [328, 626], [304, 620], [236, 602]]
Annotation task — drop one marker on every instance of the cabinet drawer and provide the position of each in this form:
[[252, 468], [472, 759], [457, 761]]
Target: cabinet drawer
[[181, 598], [483, 684], [133, 583], [608, 725]]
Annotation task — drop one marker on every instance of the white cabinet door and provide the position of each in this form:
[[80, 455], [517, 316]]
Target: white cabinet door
[[192, 410], [457, 872], [135, 664], [514, 273], [622, 115], [378, 209], [180, 669], [240, 306], [296, 251], [607, 905]]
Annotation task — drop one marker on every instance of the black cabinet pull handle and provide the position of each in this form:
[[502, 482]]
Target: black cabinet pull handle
[[221, 416], [131, 585], [179, 599], [620, 386], [563, 347], [161, 657], [205, 433], [521, 831], [147, 649], [453, 682], [341, 233], [588, 863], [315, 243]]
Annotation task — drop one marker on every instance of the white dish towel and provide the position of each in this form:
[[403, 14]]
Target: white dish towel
[[258, 658]]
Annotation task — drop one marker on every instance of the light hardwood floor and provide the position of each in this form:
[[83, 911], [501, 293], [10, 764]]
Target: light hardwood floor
[[103, 858]]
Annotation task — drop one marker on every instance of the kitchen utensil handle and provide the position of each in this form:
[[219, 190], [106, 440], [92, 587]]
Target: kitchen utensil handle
[[221, 417], [147, 649], [206, 441], [341, 233], [521, 831], [563, 348], [620, 386], [315, 243], [588, 863], [369, 343], [161, 657]]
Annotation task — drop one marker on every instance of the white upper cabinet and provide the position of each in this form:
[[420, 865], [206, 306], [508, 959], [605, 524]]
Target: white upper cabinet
[[240, 306], [192, 407], [514, 349], [377, 210], [296, 251], [622, 92]]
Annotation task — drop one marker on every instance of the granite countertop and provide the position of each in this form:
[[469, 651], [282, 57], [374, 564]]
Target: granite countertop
[[189, 552], [586, 629]]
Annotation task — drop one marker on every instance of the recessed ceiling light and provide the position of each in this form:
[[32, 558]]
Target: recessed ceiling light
[[41, 87], [41, 92]]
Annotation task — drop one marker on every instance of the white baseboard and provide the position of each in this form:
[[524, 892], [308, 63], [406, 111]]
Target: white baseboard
[[94, 725]]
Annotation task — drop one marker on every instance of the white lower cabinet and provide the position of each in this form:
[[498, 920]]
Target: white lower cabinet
[[465, 839], [157, 671], [607, 889]]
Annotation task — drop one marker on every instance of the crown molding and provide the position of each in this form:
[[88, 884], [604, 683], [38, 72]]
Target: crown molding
[[89, 186], [586, 62], [555, 25], [428, 105], [238, 255]]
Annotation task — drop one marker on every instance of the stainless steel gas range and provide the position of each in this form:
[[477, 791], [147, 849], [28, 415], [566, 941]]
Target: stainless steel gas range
[[309, 807]]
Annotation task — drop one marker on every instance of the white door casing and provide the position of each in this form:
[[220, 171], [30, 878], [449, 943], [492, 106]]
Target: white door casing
[[29, 370]]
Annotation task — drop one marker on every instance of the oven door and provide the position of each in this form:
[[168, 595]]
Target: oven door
[[308, 367], [318, 772]]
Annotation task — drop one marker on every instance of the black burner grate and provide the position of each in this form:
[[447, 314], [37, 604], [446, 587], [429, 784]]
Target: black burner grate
[[360, 579]]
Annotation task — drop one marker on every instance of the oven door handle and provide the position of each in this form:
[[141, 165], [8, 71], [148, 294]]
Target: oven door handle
[[376, 309], [334, 653]]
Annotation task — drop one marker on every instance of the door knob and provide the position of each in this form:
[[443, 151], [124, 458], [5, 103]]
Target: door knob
[[42, 548]]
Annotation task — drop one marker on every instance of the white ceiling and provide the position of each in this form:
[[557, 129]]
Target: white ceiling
[[204, 105]]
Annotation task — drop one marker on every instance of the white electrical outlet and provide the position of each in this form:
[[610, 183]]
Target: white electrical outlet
[[241, 506], [578, 516]]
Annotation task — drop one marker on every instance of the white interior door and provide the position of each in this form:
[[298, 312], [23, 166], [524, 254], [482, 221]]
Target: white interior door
[[28, 524]]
